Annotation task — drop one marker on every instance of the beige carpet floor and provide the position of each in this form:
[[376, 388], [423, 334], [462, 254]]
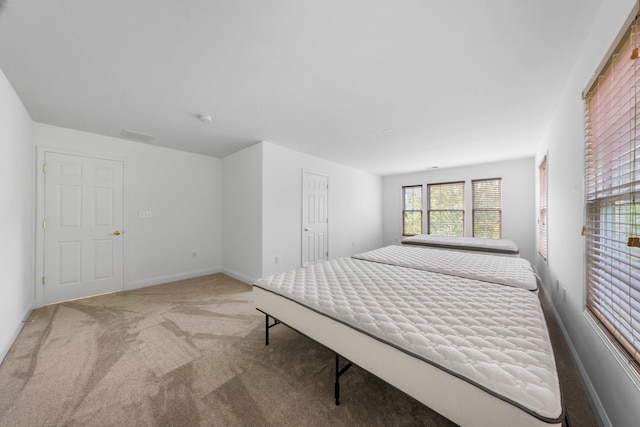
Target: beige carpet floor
[[192, 353]]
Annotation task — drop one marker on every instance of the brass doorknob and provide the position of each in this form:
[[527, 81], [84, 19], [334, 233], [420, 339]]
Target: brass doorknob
[[116, 233], [307, 229]]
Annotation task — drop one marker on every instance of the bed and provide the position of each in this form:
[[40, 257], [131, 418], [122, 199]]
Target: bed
[[472, 244], [508, 271], [477, 352]]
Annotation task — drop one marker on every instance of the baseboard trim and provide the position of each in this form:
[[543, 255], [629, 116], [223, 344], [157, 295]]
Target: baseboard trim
[[170, 278], [7, 347], [239, 276], [601, 413]]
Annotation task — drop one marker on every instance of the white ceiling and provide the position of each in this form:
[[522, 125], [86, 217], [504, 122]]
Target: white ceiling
[[384, 86]]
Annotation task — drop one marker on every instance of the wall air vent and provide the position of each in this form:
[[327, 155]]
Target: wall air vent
[[136, 136]]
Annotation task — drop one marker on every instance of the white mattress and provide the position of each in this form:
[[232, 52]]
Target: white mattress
[[507, 271], [501, 246], [491, 336]]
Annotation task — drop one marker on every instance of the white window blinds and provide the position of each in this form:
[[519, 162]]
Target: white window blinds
[[542, 208], [486, 197], [612, 192]]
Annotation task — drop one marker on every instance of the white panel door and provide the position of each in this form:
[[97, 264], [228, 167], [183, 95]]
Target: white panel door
[[83, 214], [315, 218]]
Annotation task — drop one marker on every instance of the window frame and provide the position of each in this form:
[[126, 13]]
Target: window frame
[[612, 184], [430, 210], [475, 209], [405, 211], [543, 206]]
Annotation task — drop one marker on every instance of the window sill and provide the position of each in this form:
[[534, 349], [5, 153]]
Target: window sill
[[631, 371]]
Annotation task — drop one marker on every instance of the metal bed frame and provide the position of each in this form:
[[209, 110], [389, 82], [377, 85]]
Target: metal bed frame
[[272, 321]]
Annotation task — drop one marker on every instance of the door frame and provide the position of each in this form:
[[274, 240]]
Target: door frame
[[41, 152], [302, 240]]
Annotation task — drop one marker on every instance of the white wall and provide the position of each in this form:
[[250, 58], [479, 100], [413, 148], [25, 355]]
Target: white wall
[[183, 192], [242, 214], [262, 209], [355, 208], [614, 389], [17, 214], [518, 199]]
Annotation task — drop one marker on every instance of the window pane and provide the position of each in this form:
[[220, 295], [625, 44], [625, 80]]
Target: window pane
[[486, 224], [412, 210], [413, 198], [412, 223], [487, 194], [446, 223], [446, 196]]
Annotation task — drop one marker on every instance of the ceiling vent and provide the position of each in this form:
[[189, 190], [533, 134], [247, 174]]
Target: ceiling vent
[[137, 136]]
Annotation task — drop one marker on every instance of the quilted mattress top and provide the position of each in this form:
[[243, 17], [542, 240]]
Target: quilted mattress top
[[508, 271], [489, 245], [492, 336]]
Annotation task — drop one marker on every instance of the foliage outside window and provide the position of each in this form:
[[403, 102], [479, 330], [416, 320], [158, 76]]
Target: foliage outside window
[[542, 208], [487, 208], [412, 210], [446, 209], [612, 187]]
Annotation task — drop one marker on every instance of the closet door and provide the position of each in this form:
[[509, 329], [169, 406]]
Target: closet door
[[315, 217], [83, 218]]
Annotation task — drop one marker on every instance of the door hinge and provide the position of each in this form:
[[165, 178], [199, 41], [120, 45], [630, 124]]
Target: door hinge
[[44, 223], [43, 280], [44, 167]]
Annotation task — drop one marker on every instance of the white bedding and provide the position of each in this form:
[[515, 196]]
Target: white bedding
[[500, 246], [509, 271], [493, 337]]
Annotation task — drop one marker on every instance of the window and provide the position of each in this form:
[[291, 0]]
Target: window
[[542, 208], [412, 210], [487, 208], [446, 209], [612, 187]]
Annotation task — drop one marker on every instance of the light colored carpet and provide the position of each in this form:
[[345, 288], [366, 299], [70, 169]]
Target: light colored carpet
[[192, 353]]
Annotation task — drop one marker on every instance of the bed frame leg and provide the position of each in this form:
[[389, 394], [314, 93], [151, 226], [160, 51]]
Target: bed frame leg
[[339, 373], [267, 326]]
